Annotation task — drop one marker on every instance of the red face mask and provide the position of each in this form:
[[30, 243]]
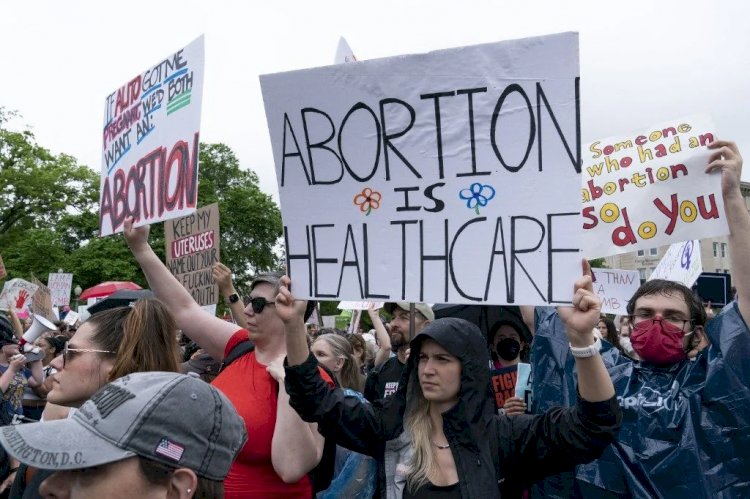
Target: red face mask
[[658, 341]]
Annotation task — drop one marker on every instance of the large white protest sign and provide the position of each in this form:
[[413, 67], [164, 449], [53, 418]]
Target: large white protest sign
[[443, 177], [17, 294], [650, 188], [59, 285], [681, 263], [615, 288], [150, 143]]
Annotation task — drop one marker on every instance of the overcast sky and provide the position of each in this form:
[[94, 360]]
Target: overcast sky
[[642, 62]]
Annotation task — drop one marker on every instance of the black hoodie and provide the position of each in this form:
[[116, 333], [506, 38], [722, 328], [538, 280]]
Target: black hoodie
[[494, 455]]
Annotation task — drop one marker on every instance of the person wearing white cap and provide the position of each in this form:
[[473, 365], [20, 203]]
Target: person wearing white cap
[[132, 439]]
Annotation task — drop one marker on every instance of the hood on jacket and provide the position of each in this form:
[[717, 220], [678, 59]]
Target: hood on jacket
[[465, 341]]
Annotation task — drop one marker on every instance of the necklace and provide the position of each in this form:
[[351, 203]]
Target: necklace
[[446, 446]]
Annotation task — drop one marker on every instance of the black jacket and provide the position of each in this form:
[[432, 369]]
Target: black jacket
[[494, 455]]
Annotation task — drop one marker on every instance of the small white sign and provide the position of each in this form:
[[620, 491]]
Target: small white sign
[[681, 263], [615, 288], [17, 294], [360, 305]]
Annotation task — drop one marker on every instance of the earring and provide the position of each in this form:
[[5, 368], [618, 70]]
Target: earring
[[189, 490]]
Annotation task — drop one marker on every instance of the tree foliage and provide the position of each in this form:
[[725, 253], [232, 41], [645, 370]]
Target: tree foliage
[[49, 215]]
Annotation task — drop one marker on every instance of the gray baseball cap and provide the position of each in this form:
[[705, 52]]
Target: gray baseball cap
[[170, 418]]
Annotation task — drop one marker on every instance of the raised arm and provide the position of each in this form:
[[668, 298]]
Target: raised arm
[[594, 383], [351, 422], [211, 333], [381, 335], [726, 159], [223, 277]]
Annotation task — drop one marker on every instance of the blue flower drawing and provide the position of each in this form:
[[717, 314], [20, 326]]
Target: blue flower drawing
[[477, 195]]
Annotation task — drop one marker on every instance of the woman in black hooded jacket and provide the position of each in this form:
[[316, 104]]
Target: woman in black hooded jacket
[[441, 425]]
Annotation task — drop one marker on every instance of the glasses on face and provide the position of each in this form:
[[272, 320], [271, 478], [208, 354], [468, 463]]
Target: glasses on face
[[259, 304], [674, 319], [67, 352]]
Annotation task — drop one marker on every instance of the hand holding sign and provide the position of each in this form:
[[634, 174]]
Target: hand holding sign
[[289, 309], [136, 237], [726, 158], [581, 318]]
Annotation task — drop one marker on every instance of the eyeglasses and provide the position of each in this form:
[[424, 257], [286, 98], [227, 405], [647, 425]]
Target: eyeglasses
[[67, 351], [259, 304], [675, 320]]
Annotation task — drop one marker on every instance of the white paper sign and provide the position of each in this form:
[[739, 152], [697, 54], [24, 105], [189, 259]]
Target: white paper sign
[[17, 294], [150, 143], [650, 188], [59, 286], [681, 263], [447, 177], [83, 313], [71, 318], [344, 52], [615, 288], [359, 305]]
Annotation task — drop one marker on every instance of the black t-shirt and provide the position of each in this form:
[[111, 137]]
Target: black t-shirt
[[383, 382], [430, 491]]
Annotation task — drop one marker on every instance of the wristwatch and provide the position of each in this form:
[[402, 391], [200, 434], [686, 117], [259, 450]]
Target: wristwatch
[[233, 298], [586, 352]]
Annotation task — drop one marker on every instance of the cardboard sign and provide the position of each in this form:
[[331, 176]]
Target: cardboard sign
[[615, 288], [59, 286], [3, 273], [681, 263], [17, 294], [650, 188], [447, 177], [150, 143], [192, 247], [42, 300], [359, 305]]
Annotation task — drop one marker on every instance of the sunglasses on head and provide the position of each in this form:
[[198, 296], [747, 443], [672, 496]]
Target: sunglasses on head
[[259, 303]]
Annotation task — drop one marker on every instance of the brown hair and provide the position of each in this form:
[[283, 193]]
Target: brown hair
[[358, 343], [142, 337]]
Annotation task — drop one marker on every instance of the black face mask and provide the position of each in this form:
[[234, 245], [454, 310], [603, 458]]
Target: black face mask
[[508, 348]]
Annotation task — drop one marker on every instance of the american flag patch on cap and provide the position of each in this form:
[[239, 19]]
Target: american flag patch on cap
[[169, 449]]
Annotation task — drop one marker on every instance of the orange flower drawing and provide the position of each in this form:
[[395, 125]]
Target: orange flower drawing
[[368, 200]]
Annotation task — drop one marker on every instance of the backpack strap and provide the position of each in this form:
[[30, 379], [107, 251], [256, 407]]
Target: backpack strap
[[240, 349]]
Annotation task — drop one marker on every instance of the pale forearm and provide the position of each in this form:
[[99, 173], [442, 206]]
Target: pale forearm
[[166, 287], [6, 379], [594, 382], [37, 377], [382, 337], [295, 449], [738, 219]]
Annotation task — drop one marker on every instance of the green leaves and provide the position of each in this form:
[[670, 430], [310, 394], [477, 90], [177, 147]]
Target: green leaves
[[49, 215]]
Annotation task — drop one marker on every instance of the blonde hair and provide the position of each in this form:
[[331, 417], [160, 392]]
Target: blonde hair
[[349, 376], [418, 424]]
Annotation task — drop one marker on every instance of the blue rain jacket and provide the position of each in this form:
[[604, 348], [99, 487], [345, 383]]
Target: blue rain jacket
[[685, 429]]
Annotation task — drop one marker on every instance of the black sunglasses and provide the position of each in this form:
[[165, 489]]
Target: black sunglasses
[[259, 303]]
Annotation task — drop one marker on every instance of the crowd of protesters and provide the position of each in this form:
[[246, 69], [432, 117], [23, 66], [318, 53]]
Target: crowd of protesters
[[162, 399]]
